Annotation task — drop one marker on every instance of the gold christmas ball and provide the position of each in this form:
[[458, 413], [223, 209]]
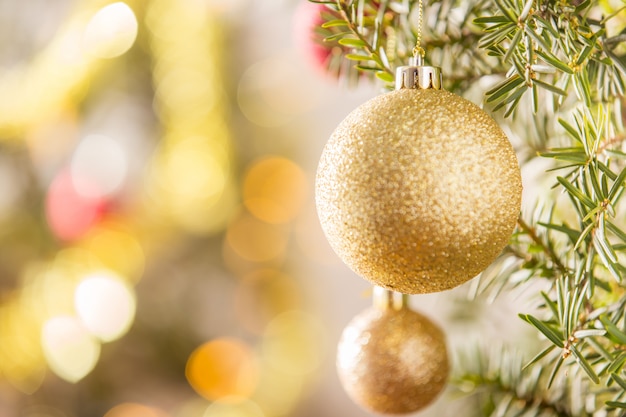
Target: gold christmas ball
[[392, 361], [418, 190]]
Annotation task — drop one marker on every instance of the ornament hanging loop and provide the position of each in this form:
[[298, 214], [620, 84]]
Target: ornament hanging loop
[[418, 51], [416, 61], [416, 75]]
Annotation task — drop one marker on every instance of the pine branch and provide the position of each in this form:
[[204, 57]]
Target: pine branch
[[384, 72], [551, 46], [379, 36], [493, 378], [547, 248]]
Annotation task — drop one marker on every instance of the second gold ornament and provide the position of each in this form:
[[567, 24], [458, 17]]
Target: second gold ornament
[[391, 359]]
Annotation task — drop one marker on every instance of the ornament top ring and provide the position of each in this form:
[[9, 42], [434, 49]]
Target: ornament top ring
[[418, 190]]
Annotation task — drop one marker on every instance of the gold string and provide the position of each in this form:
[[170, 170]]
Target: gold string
[[420, 22]]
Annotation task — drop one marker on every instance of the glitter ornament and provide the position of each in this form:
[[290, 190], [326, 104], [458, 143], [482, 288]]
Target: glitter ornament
[[390, 359], [418, 190]]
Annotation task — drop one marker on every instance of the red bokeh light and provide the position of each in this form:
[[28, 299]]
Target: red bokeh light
[[69, 213]]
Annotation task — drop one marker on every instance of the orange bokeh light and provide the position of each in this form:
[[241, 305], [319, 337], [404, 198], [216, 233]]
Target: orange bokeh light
[[223, 368], [255, 240], [274, 189]]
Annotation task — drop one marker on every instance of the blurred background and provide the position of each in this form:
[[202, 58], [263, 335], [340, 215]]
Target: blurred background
[[160, 254]]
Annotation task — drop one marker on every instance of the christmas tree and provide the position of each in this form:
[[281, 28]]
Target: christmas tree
[[554, 73]]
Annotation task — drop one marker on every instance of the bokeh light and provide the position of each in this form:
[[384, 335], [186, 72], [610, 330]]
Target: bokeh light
[[274, 189], [61, 69], [135, 410], [193, 174], [255, 240], [191, 178], [70, 350], [193, 170], [294, 343], [99, 166], [21, 358], [105, 304], [117, 249], [111, 31], [48, 289], [223, 368], [70, 213], [279, 392], [189, 90]]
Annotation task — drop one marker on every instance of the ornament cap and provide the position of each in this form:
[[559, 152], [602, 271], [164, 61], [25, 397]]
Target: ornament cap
[[385, 299], [417, 76]]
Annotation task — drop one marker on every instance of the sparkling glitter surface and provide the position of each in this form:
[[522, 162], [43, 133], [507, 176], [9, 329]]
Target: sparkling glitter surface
[[392, 361], [418, 191]]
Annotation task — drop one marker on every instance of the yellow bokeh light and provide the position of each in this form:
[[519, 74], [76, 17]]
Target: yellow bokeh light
[[188, 90], [105, 304], [279, 392], [255, 240], [234, 407], [48, 291], [74, 262], [70, 350], [21, 358], [117, 250], [274, 189], [111, 31], [294, 343], [191, 183], [223, 368], [263, 294], [193, 179], [135, 410], [194, 169]]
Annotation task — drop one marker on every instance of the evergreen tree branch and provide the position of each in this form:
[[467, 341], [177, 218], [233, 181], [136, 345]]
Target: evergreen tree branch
[[346, 12], [547, 249], [493, 378]]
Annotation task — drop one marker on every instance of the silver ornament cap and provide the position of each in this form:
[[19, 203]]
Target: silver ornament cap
[[418, 76]]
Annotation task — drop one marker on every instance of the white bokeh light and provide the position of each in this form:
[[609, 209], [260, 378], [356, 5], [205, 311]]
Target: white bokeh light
[[99, 166], [70, 350], [111, 31], [105, 304]]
